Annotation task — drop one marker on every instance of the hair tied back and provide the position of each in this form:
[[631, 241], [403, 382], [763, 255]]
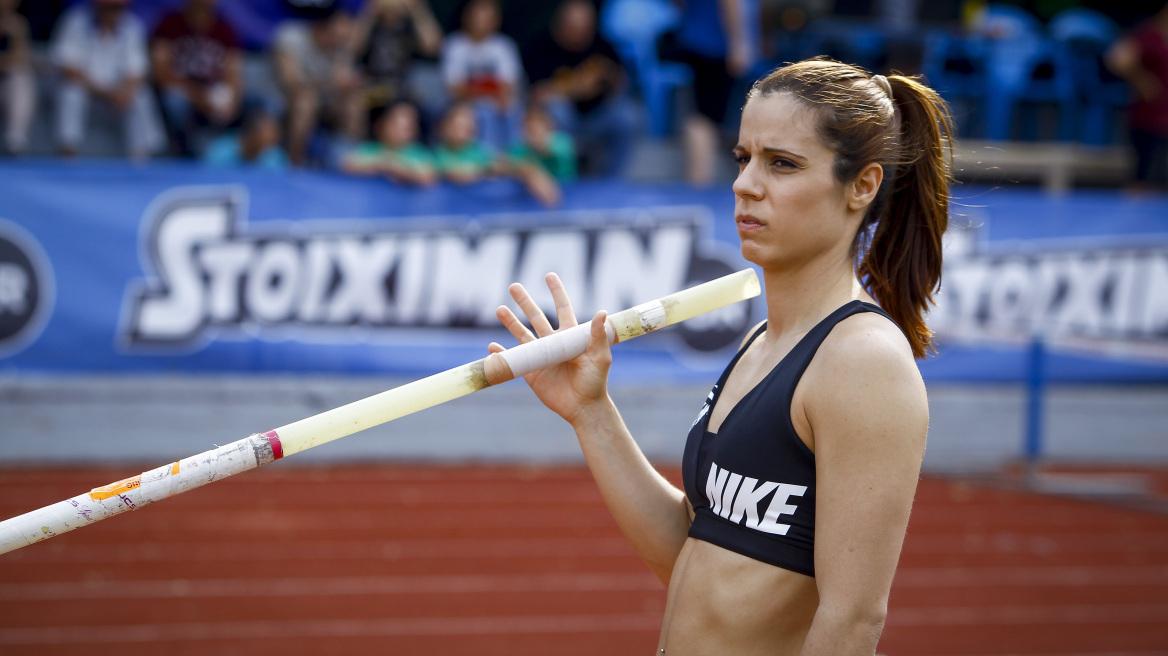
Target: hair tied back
[[882, 82]]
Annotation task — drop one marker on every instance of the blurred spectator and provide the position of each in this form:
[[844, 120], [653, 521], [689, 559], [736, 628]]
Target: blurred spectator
[[461, 157], [197, 66], [577, 75], [897, 16], [314, 66], [388, 36], [257, 144], [482, 66], [712, 41], [903, 39], [1141, 58], [396, 153], [100, 50], [17, 84], [544, 146], [545, 158]]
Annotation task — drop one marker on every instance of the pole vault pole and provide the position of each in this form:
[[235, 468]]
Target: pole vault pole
[[261, 448]]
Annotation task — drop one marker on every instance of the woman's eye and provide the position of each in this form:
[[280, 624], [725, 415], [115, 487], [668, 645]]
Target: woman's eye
[[742, 160], [784, 163]]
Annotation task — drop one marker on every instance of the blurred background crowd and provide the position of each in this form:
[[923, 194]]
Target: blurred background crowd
[[419, 91]]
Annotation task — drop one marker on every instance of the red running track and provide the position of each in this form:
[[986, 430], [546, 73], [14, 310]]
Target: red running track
[[512, 560]]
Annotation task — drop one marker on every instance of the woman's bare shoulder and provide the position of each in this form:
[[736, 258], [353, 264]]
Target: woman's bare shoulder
[[867, 356], [865, 340], [863, 384]]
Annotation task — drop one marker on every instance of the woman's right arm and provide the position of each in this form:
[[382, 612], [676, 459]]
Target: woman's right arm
[[650, 511]]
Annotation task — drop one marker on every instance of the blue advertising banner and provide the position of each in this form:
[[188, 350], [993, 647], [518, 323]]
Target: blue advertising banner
[[171, 267]]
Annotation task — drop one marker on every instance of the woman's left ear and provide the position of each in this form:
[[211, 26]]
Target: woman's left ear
[[862, 190]]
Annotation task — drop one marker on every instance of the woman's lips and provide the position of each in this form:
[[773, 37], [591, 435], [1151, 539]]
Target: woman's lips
[[746, 222]]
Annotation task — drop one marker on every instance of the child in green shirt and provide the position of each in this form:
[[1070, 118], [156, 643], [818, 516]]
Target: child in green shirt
[[545, 146], [461, 157], [545, 158], [397, 154]]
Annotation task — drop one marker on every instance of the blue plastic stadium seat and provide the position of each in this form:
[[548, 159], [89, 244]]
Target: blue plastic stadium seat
[[1007, 22], [853, 42], [958, 68], [1099, 94], [1082, 24], [1024, 65], [633, 27]]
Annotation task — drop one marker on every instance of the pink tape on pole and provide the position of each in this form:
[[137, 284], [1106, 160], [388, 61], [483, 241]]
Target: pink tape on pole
[[277, 447]]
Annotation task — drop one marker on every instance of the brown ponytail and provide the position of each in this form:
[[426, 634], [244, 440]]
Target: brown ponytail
[[898, 245]]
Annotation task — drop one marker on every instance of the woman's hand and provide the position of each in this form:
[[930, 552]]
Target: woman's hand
[[572, 388], [650, 511]]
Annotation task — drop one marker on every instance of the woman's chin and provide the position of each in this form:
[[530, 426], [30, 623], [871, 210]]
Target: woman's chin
[[753, 254]]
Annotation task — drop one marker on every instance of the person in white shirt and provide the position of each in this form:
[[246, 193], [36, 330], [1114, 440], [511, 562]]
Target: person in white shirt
[[100, 51], [314, 65], [482, 66], [17, 80]]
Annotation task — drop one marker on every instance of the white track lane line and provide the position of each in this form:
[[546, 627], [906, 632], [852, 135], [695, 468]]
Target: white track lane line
[[189, 552], [175, 587], [1029, 615], [270, 630], [627, 622], [339, 586]]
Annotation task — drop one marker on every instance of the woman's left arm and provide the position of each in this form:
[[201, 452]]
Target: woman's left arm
[[868, 412]]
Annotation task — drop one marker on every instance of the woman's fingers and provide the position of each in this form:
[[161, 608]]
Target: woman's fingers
[[539, 322], [564, 313], [514, 325]]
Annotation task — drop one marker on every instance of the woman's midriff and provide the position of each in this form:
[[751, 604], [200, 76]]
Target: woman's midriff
[[721, 602]]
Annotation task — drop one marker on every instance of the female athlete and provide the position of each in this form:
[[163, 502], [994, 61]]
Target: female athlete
[[800, 471]]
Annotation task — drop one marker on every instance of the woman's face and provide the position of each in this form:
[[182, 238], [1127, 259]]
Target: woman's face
[[788, 207]]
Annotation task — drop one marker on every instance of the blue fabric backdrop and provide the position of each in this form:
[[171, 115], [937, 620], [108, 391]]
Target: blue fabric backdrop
[[111, 267]]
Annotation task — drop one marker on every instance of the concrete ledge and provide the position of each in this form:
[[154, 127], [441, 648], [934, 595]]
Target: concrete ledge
[[155, 419], [1056, 166]]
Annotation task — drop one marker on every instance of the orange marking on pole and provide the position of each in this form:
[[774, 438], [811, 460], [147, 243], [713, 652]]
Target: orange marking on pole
[[107, 491], [174, 469]]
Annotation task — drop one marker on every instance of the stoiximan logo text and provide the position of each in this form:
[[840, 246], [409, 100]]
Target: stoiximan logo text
[[26, 288], [211, 273]]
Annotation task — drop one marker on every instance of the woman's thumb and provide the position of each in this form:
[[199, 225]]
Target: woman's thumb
[[599, 335]]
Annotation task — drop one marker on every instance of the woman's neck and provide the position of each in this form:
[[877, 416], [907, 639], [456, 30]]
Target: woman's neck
[[800, 298]]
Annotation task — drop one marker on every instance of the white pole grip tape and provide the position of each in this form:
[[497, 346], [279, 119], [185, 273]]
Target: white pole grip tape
[[567, 344], [557, 347]]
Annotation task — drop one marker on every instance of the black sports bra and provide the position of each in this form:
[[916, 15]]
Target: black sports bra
[[752, 484]]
